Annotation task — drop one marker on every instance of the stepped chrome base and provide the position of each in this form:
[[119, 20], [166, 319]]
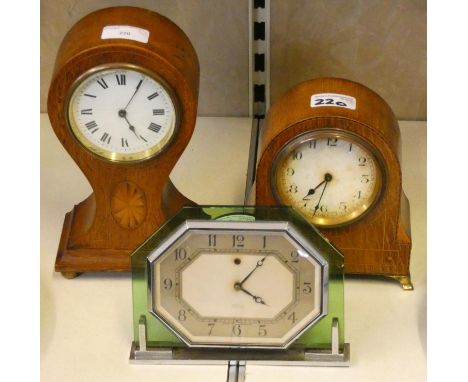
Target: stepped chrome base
[[238, 358], [290, 357]]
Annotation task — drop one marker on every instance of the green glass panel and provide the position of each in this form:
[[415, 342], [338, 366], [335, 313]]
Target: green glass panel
[[318, 336]]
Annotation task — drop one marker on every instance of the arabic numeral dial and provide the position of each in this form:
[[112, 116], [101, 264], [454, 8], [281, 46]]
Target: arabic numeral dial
[[330, 178]]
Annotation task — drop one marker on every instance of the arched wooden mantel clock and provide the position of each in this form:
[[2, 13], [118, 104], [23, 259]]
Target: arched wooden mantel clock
[[123, 102], [331, 149]]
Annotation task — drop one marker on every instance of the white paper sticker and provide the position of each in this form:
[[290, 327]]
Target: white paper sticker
[[126, 32], [333, 99]]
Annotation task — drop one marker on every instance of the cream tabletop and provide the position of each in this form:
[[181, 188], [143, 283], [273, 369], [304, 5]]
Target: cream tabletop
[[86, 323]]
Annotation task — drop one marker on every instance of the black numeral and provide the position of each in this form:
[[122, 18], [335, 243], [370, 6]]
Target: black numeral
[[343, 206], [294, 257], [102, 83], [211, 325], [307, 288], [91, 125], [167, 283], [180, 254], [293, 189], [332, 142], [121, 80], [238, 241], [264, 241], [362, 161], [154, 95], [211, 240], [154, 127], [290, 171], [182, 316], [358, 195], [365, 179], [158, 112], [90, 95], [262, 332], [124, 142], [297, 155], [106, 138], [236, 330], [313, 144], [87, 111], [292, 317]]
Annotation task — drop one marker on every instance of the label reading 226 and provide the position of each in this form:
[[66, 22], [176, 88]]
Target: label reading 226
[[333, 99]]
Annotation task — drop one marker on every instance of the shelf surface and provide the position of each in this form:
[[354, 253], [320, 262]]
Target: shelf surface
[[86, 323]]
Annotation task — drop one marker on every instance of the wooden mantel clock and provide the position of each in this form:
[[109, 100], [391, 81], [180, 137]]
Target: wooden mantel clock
[[331, 149], [123, 102]]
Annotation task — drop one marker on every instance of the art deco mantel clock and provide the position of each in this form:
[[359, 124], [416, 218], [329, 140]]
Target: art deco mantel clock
[[252, 284], [330, 148], [123, 103]]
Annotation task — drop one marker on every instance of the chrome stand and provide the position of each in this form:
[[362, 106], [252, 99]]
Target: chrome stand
[[237, 359]]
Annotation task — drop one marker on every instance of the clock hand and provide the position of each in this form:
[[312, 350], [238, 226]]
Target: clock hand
[[136, 90], [259, 264], [132, 128], [123, 114], [328, 178], [257, 299]]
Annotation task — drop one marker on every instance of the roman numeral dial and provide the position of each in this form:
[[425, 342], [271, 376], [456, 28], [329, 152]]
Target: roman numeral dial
[[122, 114]]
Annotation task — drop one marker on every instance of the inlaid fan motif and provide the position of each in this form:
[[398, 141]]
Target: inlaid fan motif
[[128, 205]]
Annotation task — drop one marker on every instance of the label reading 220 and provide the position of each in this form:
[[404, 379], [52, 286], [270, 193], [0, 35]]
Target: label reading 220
[[333, 99]]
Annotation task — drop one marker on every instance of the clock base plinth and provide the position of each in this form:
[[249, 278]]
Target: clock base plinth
[[193, 356], [331, 355], [72, 261]]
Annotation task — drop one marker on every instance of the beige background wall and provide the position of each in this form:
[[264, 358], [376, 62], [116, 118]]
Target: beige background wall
[[380, 43]]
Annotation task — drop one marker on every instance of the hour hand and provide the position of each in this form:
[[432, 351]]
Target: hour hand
[[311, 192], [257, 299], [132, 129]]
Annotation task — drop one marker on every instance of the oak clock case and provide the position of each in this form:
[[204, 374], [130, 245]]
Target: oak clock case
[[330, 148], [237, 278], [122, 102]]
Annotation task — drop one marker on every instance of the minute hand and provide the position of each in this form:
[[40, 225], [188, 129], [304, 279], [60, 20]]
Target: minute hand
[[136, 90], [259, 264], [318, 204]]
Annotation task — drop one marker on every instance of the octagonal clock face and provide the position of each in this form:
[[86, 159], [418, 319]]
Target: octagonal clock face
[[237, 287], [122, 113]]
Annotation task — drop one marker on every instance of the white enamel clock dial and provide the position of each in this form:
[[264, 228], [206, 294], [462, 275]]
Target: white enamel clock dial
[[122, 113], [331, 178], [237, 288]]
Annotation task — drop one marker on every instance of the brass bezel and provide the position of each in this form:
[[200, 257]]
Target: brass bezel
[[289, 146], [109, 155]]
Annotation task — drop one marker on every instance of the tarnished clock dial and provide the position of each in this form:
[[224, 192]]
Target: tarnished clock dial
[[330, 177], [122, 113], [237, 288]]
